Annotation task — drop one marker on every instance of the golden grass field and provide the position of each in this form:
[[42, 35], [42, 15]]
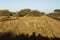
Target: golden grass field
[[43, 25]]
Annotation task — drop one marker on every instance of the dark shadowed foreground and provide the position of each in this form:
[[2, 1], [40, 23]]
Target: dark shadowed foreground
[[9, 36]]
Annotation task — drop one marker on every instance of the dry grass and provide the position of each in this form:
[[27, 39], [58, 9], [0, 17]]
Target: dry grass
[[43, 25]]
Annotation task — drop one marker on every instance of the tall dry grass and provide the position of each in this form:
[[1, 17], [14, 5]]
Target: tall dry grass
[[43, 25]]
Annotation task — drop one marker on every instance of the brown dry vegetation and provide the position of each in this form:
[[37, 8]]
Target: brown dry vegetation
[[43, 25]]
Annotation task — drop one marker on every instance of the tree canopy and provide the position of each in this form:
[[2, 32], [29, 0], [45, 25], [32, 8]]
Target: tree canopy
[[5, 13]]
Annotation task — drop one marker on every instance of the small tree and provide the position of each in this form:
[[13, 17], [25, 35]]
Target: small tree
[[24, 12], [57, 10], [5, 13], [37, 13]]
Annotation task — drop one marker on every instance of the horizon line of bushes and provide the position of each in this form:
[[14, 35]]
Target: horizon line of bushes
[[28, 12]]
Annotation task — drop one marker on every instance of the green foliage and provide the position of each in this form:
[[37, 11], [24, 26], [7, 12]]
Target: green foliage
[[5, 13], [14, 14], [24, 12], [57, 10], [29, 12], [36, 13], [55, 14]]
